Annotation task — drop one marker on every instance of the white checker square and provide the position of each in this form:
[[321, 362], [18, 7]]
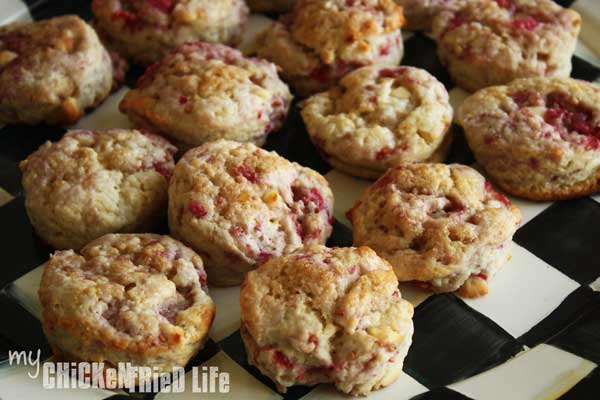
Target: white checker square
[[457, 96], [404, 388], [13, 11], [523, 293], [242, 385], [543, 372], [25, 290], [107, 115], [346, 190], [227, 319]]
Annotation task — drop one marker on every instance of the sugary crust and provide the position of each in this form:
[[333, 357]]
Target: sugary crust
[[420, 13], [270, 6], [320, 41], [436, 223], [91, 183], [238, 205], [203, 92], [490, 43], [144, 31], [323, 315], [380, 116], [51, 71], [138, 298], [537, 138]]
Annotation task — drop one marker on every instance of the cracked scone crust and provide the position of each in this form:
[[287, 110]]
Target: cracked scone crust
[[92, 183], [322, 315], [320, 41], [270, 6], [138, 298], [380, 116], [145, 30], [441, 225], [420, 13], [490, 42], [537, 138], [238, 205], [51, 71], [202, 92]]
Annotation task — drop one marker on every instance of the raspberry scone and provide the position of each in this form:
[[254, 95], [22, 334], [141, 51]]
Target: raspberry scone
[[270, 6], [202, 92], [537, 138], [493, 42], [238, 205], [145, 30], [130, 298], [320, 41], [92, 183], [420, 13], [51, 71], [379, 116], [440, 225], [322, 315]]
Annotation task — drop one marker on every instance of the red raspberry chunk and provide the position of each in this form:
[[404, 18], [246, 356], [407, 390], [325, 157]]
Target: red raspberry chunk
[[247, 172], [498, 196], [482, 276], [526, 23], [197, 209], [282, 360], [391, 72], [126, 16], [161, 169], [165, 6], [508, 4]]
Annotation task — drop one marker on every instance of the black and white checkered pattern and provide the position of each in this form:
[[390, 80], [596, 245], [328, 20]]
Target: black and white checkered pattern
[[536, 335]]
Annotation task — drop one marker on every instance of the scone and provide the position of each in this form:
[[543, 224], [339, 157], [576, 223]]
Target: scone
[[322, 315], [322, 40], [490, 42], [379, 116], [537, 138], [441, 225], [92, 183], [270, 6], [145, 30], [51, 71], [238, 205], [202, 92], [127, 298], [420, 13]]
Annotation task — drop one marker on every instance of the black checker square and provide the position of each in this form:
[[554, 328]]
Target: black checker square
[[582, 337], [234, 347], [577, 303], [453, 342], [584, 70], [420, 51], [566, 235], [442, 393]]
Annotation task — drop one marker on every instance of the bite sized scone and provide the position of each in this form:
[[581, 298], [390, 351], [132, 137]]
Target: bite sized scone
[[202, 92], [379, 116], [321, 41], [238, 205], [92, 183], [493, 42], [441, 225], [537, 138], [322, 315], [420, 13], [144, 31], [51, 71], [270, 6], [127, 298]]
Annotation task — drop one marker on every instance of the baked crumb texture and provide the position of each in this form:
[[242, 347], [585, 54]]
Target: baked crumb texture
[[489, 43], [92, 183], [238, 206], [442, 226], [320, 41], [202, 92], [322, 315], [145, 31], [537, 138], [51, 71], [379, 116]]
